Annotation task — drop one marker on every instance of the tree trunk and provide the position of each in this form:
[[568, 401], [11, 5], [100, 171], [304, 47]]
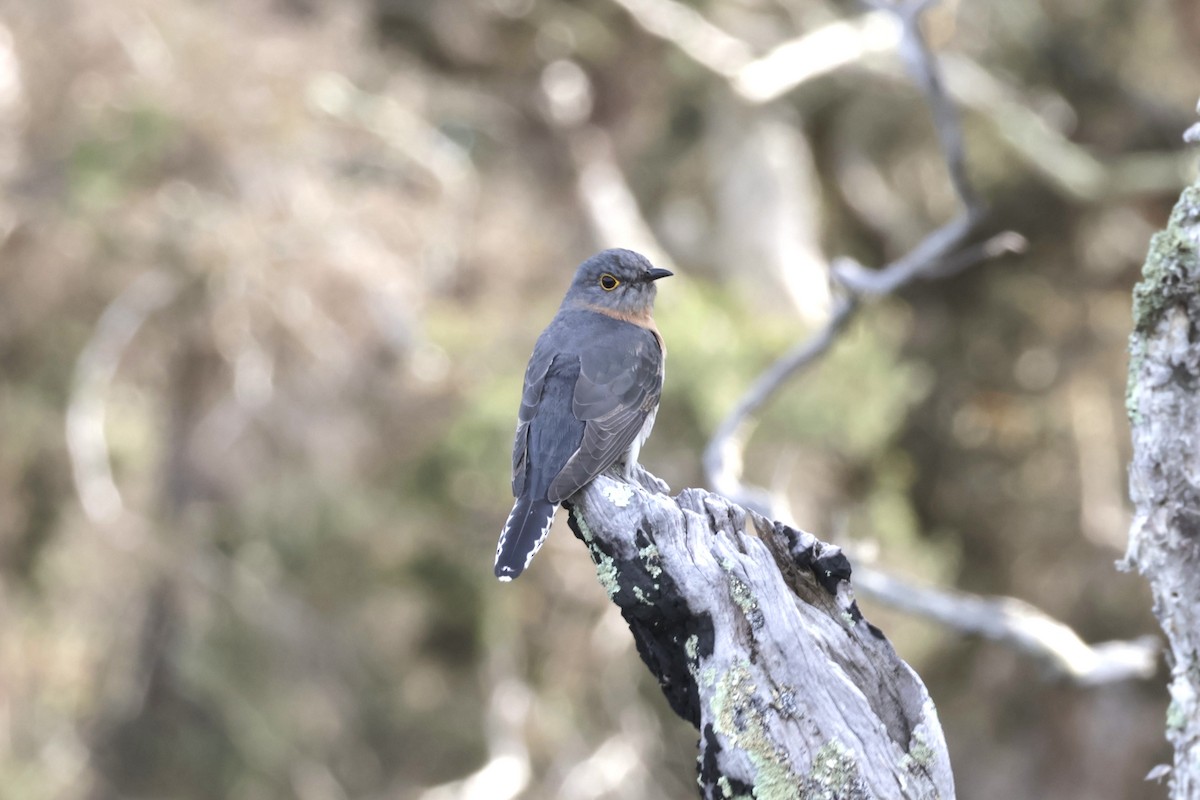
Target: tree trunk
[[1164, 479], [751, 628]]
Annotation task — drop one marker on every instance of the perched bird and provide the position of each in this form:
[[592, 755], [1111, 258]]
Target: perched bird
[[590, 397]]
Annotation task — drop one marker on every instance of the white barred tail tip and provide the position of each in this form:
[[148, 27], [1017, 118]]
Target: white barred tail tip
[[524, 533]]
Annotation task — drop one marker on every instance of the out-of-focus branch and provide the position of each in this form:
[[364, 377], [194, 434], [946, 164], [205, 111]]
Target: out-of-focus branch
[[760, 80], [87, 442], [815, 54], [932, 258], [688, 30], [1019, 625], [723, 454], [923, 68], [867, 41], [921, 260], [1069, 167], [722, 457]]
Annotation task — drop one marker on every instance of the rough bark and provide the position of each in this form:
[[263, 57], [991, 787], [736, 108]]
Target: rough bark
[[751, 628], [1164, 478]]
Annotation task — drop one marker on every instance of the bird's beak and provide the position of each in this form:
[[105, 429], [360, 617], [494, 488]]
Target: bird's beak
[[654, 273]]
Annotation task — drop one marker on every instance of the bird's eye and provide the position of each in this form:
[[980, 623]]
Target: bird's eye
[[608, 282]]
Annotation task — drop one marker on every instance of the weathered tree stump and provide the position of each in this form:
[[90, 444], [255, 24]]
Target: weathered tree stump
[[751, 628]]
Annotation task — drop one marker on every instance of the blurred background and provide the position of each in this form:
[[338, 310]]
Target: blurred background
[[269, 274]]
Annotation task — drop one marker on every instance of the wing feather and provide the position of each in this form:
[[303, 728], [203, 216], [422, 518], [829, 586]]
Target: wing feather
[[616, 390], [535, 382]]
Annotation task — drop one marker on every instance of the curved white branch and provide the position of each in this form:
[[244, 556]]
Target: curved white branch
[[95, 369], [1020, 625]]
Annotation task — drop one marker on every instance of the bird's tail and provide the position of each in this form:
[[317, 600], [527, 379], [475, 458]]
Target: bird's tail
[[523, 535]]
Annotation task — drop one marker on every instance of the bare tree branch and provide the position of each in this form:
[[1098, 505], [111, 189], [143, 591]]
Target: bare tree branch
[[1071, 168], [923, 68], [1019, 625], [702, 41], [723, 455], [814, 54], [865, 41], [87, 442], [924, 258]]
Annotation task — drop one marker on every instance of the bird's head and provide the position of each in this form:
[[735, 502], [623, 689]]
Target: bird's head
[[620, 280]]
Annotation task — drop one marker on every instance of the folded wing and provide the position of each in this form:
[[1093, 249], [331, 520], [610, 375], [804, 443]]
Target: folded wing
[[617, 388]]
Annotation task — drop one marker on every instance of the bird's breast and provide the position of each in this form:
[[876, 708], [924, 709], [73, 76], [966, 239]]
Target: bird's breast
[[643, 319]]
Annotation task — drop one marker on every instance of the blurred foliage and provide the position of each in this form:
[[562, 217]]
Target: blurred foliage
[[356, 217]]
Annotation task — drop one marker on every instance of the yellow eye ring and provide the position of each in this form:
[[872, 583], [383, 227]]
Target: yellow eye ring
[[609, 282]]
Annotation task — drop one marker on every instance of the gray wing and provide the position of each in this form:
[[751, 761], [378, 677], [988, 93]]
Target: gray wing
[[535, 379], [619, 385]]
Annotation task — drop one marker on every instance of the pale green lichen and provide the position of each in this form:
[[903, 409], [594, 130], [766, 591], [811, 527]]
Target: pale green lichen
[[920, 755], [741, 722], [606, 568], [1170, 266], [1169, 275], [1176, 718], [741, 595], [584, 530], [641, 596], [727, 790], [650, 555], [606, 573], [740, 719], [834, 774], [691, 648], [1137, 356]]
